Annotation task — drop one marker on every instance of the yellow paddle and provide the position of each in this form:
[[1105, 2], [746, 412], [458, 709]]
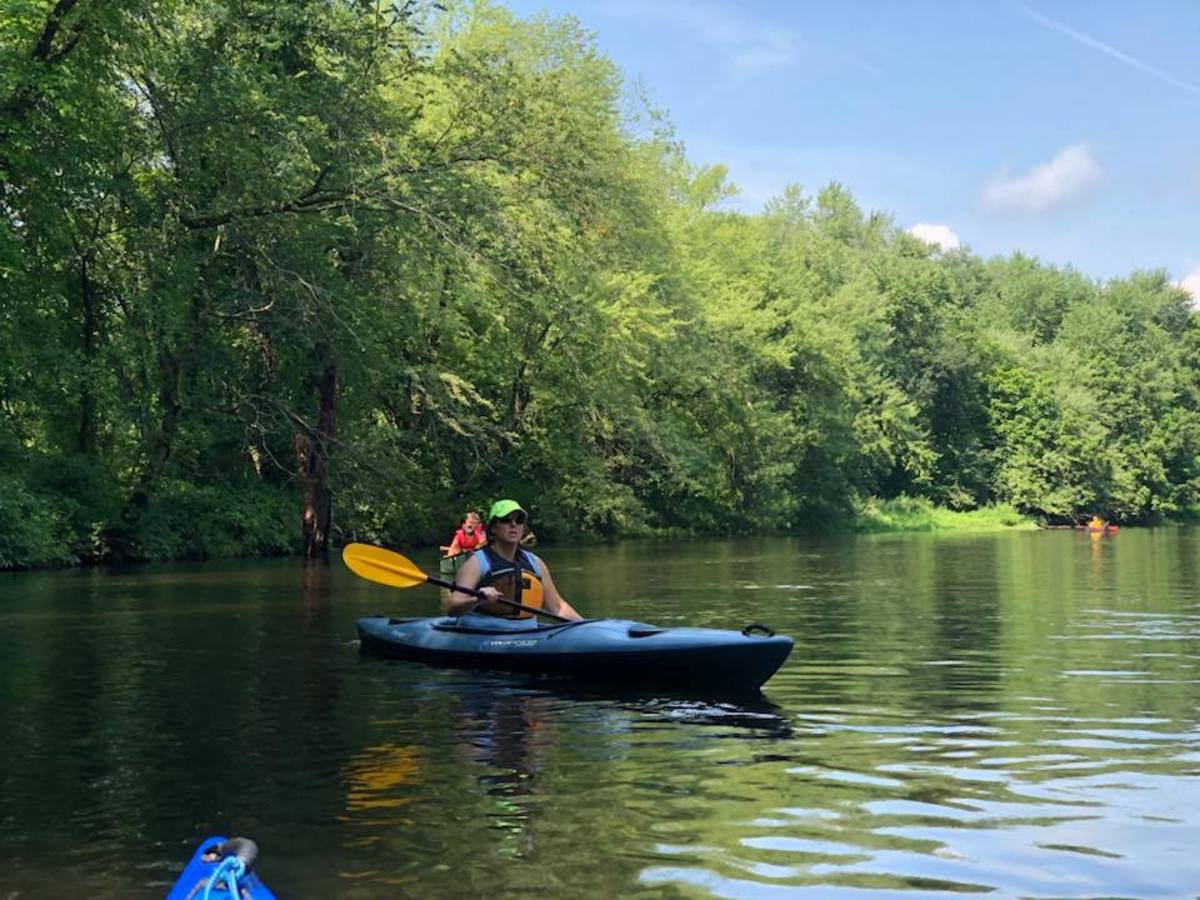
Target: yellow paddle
[[390, 568]]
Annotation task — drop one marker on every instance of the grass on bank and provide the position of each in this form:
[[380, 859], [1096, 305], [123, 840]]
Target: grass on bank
[[873, 516]]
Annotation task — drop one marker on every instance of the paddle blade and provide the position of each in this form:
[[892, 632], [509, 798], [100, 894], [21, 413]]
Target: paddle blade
[[382, 566]]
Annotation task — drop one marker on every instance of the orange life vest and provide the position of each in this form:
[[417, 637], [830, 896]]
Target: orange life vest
[[519, 580]]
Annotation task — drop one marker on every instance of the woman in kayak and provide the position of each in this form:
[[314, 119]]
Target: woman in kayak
[[504, 570], [469, 536]]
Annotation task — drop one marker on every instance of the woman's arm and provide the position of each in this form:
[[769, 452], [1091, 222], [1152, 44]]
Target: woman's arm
[[552, 600], [468, 577]]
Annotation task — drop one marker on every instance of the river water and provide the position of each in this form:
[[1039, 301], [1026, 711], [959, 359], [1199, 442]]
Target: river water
[[1014, 714]]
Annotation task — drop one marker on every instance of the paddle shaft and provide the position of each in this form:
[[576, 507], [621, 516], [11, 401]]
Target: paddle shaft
[[475, 592]]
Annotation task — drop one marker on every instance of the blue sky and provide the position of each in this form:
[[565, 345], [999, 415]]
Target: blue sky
[[1067, 130]]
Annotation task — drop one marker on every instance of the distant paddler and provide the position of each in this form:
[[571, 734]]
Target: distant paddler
[[1097, 525], [469, 537]]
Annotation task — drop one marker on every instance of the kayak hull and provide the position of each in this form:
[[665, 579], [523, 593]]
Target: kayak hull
[[614, 651], [1097, 529]]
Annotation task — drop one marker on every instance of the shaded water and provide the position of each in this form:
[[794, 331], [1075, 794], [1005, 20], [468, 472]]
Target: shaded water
[[1014, 714]]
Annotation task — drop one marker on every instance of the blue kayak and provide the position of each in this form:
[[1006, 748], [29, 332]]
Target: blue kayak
[[215, 863], [609, 650]]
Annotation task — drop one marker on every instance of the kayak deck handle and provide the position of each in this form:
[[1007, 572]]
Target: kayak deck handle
[[758, 628], [243, 849]]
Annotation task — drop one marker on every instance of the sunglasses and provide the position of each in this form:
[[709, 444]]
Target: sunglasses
[[517, 518]]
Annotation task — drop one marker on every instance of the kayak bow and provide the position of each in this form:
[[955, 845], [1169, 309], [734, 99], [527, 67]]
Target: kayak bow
[[216, 863]]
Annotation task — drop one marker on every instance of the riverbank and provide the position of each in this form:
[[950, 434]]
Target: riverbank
[[873, 516], [208, 539], [270, 533]]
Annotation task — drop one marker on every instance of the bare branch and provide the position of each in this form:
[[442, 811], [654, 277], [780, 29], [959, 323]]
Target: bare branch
[[312, 200], [44, 50]]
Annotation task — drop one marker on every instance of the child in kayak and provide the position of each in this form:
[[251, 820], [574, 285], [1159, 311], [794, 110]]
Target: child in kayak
[[468, 537], [503, 570]]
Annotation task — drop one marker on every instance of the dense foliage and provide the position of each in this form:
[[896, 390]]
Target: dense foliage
[[274, 274]]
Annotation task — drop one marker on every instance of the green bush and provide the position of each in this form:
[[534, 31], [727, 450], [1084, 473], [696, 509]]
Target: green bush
[[188, 521], [918, 514], [35, 530]]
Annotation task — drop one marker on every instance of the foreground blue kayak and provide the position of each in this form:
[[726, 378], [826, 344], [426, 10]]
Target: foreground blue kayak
[[610, 650], [217, 862]]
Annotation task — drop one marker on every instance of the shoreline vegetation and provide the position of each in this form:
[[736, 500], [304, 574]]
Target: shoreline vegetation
[[274, 277], [900, 515], [907, 514]]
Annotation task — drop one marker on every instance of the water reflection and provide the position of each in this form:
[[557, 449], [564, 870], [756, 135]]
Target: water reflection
[[503, 730], [506, 736]]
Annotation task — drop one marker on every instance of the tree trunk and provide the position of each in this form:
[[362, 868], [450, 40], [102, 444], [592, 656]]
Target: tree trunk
[[87, 392], [161, 443], [177, 363], [312, 447]]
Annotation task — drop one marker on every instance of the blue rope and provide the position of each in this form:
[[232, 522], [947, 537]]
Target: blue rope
[[232, 868]]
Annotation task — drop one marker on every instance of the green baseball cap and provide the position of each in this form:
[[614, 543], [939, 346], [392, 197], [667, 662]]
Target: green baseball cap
[[502, 508]]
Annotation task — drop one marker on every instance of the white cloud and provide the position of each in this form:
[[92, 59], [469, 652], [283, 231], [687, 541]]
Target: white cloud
[[742, 43], [941, 235], [1068, 177], [1191, 284]]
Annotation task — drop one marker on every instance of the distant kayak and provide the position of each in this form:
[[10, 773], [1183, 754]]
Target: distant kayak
[[616, 651], [448, 566], [217, 862], [1103, 527]]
